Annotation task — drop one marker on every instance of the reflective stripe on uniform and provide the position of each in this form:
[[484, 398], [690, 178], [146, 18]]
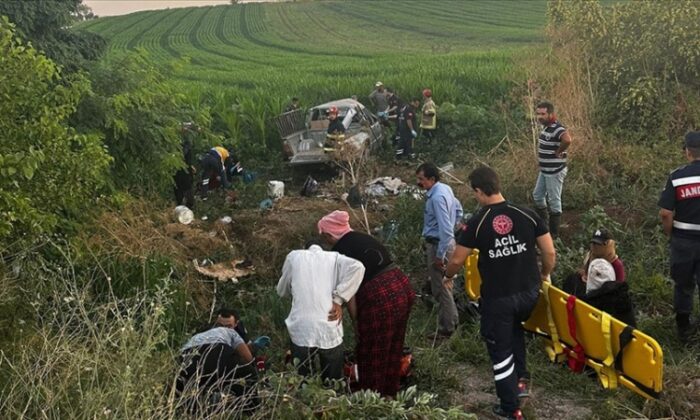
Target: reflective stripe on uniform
[[686, 180], [686, 226], [503, 363], [504, 375], [508, 362]]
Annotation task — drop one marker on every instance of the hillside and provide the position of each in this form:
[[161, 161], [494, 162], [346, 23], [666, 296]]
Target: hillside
[[104, 284], [289, 47]]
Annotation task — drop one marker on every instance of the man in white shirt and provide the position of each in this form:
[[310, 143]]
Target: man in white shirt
[[320, 282]]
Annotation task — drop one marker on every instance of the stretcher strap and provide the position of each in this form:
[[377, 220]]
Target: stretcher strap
[[577, 357], [625, 338], [556, 348], [605, 325], [607, 373]]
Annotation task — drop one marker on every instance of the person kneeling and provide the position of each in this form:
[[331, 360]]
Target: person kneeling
[[216, 363]]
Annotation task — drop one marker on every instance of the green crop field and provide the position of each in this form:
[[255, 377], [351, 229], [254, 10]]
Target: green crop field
[[319, 50]]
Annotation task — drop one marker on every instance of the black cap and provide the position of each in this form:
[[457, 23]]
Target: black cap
[[600, 237], [692, 140]]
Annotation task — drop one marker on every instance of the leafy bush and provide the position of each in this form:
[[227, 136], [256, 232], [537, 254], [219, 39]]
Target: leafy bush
[[139, 112], [642, 60], [467, 124], [49, 175], [46, 24]]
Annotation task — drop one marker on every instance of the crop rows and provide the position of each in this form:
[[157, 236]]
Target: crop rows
[[325, 50]]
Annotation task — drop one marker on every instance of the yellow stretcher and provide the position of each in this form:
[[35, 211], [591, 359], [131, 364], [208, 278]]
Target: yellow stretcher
[[619, 354]]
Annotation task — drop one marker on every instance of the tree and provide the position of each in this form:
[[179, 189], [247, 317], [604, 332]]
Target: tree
[[139, 113], [49, 174], [46, 24]]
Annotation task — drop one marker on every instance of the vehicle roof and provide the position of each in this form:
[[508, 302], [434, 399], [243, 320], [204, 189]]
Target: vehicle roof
[[341, 103]]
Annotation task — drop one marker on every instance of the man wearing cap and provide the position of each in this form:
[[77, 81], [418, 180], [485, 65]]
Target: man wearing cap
[[603, 246], [428, 121], [379, 99], [680, 218], [320, 283], [553, 142]]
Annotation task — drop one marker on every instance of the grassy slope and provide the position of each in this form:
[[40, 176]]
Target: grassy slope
[[319, 49]]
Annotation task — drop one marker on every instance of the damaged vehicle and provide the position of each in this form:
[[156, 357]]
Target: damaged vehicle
[[305, 138]]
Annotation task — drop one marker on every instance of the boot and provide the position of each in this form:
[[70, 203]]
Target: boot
[[543, 213], [554, 222], [684, 328]]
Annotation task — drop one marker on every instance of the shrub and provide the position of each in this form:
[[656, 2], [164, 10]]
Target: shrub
[[49, 175], [139, 113]]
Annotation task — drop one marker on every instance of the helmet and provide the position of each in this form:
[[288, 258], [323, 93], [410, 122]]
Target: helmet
[[333, 110], [378, 84], [427, 93]]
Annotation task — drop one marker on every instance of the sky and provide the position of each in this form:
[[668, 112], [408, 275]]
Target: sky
[[122, 7]]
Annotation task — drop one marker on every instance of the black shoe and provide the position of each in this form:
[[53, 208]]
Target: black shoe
[[684, 328], [501, 413]]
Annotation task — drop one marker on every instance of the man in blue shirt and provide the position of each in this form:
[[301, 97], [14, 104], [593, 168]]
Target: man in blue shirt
[[442, 213]]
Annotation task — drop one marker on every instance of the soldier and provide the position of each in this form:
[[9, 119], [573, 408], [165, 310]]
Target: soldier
[[680, 218]]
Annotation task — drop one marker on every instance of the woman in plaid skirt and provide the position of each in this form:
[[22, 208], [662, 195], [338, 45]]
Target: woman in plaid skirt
[[380, 309]]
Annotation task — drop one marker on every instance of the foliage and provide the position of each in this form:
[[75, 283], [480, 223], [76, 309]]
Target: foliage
[[45, 24], [140, 115], [468, 124], [49, 175], [642, 60], [83, 355]]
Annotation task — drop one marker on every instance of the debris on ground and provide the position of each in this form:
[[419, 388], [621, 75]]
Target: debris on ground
[[184, 215], [275, 189], [226, 271], [392, 186], [266, 204], [310, 187], [386, 185]]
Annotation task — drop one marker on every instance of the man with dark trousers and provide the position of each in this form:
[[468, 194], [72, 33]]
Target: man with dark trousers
[[552, 145], [407, 129], [506, 236], [680, 217], [184, 177]]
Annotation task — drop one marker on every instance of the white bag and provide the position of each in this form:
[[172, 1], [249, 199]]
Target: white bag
[[275, 189], [184, 215]]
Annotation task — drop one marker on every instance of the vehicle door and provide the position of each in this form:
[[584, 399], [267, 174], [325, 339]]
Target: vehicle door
[[374, 124]]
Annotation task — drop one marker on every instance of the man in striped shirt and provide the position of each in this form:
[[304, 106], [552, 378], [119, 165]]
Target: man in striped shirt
[[680, 218], [553, 142]]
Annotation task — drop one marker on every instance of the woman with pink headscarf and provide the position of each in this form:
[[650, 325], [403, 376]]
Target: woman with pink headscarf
[[381, 307]]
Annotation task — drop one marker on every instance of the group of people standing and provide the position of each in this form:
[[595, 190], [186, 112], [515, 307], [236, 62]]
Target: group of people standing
[[358, 273], [389, 107], [516, 254]]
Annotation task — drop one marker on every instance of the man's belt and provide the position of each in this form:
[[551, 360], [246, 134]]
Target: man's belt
[[432, 240]]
